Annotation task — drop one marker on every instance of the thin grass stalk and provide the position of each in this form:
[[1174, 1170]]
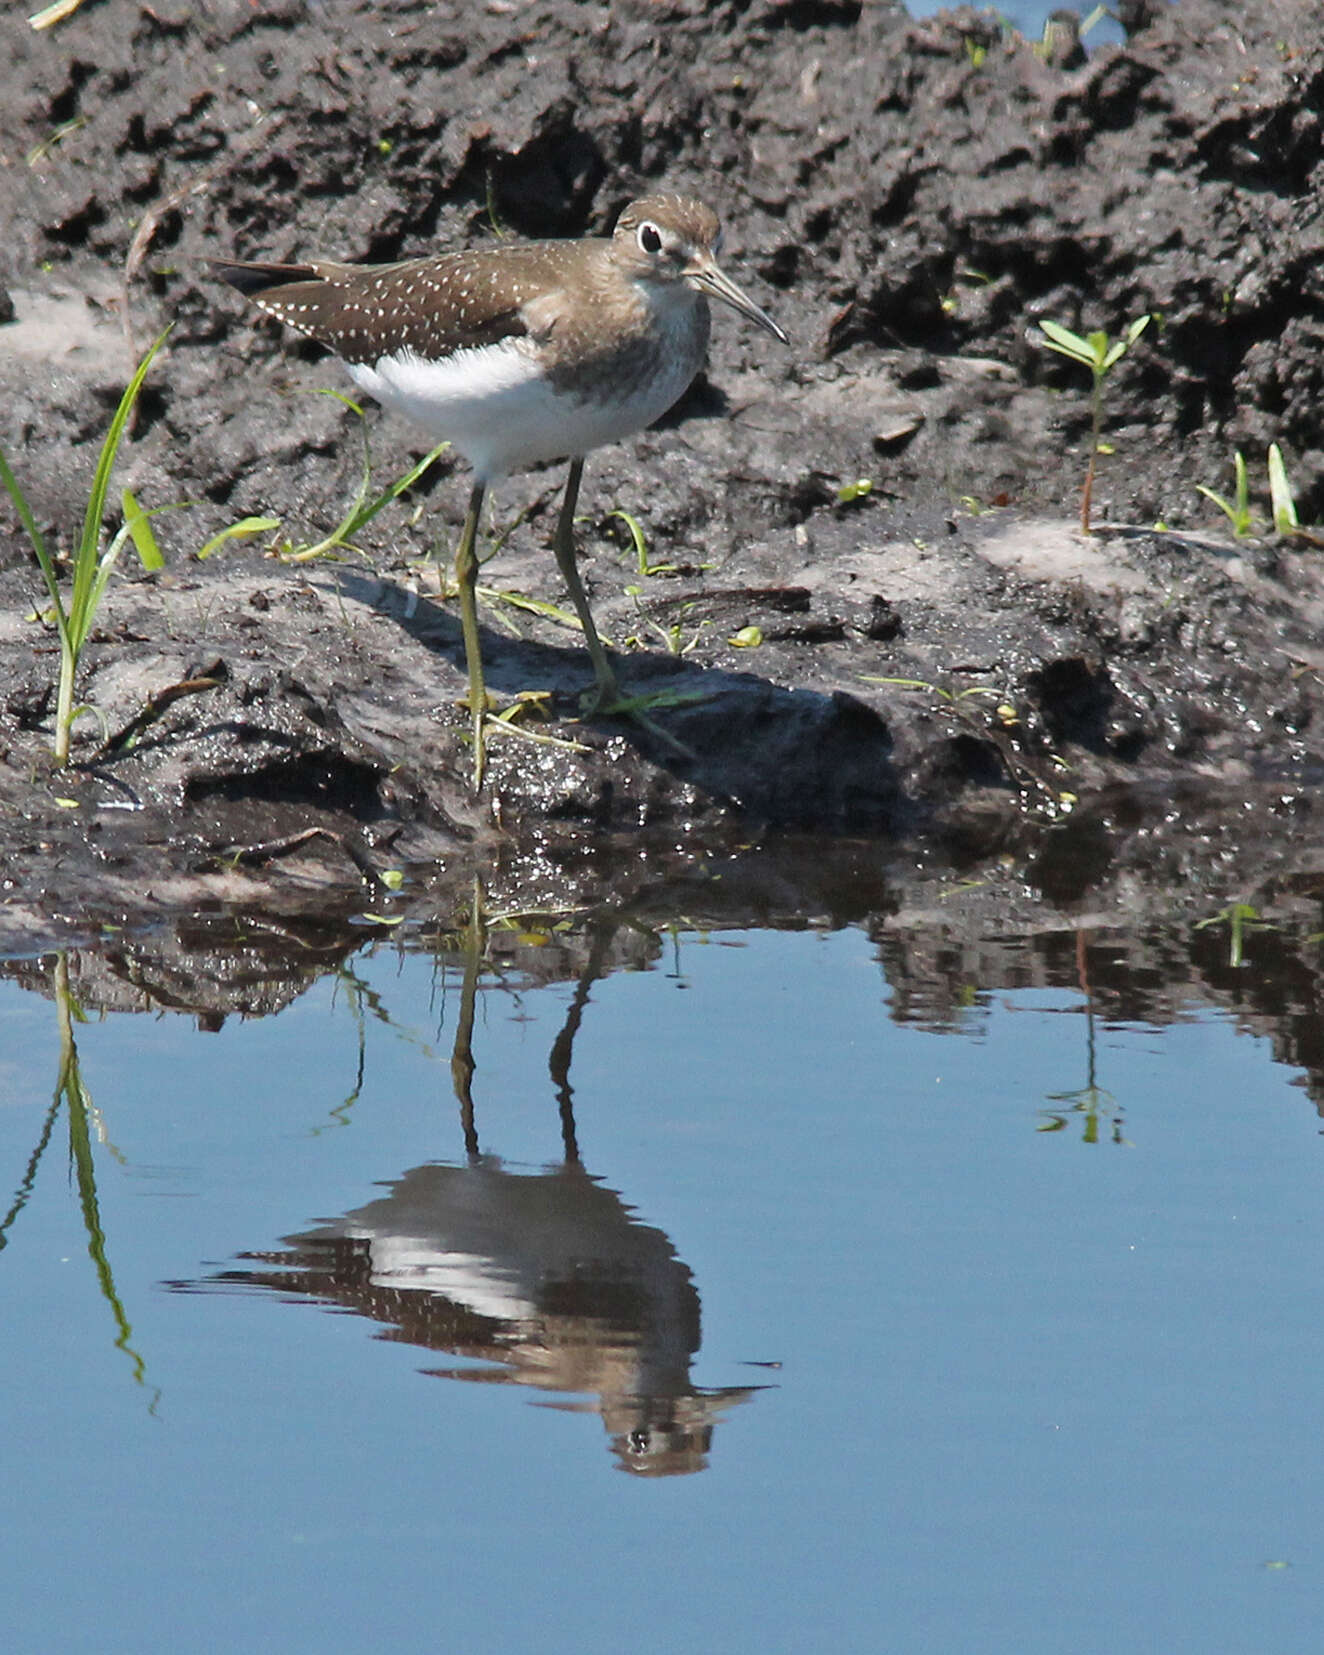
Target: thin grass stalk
[[1096, 431]]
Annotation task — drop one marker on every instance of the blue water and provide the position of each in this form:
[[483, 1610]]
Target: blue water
[[972, 1384], [1028, 16]]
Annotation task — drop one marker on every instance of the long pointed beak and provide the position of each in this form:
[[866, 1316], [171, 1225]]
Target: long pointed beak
[[709, 279]]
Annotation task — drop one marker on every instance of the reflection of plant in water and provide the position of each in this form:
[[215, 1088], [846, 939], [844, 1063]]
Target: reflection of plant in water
[[1090, 1100], [71, 1091], [1241, 919], [364, 1001]]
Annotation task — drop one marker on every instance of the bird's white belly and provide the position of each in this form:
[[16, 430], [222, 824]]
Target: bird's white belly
[[496, 406]]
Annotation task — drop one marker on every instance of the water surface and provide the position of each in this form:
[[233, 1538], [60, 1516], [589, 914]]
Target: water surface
[[740, 1290]]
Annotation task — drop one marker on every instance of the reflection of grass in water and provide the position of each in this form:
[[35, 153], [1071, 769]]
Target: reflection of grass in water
[[71, 1091], [1091, 1100], [364, 1001]]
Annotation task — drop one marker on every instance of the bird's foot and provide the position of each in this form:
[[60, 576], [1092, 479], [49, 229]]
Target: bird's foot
[[524, 707]]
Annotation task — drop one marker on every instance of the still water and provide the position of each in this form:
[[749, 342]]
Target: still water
[[659, 1290]]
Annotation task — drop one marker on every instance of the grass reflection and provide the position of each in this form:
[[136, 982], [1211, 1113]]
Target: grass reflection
[[72, 1092], [1090, 1101]]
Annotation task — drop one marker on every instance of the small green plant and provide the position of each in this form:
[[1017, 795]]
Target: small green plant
[[1282, 503], [953, 698], [1237, 510], [641, 547], [1100, 355], [674, 638], [244, 529], [363, 508], [671, 635], [91, 566]]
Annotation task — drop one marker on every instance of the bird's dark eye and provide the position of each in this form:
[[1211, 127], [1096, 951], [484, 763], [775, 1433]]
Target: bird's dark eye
[[650, 238]]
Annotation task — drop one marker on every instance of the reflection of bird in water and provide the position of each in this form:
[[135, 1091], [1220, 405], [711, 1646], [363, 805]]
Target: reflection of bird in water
[[546, 1274]]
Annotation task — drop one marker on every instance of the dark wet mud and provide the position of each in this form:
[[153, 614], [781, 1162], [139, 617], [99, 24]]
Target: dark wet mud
[[940, 671]]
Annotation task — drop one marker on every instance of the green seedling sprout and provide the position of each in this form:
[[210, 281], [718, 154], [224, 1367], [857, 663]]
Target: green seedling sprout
[[91, 566], [365, 505], [1285, 520], [953, 698], [1237, 510], [1100, 355], [362, 508], [1282, 504]]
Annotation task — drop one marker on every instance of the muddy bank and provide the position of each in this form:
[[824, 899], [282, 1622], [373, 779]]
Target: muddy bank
[[907, 199], [1128, 938]]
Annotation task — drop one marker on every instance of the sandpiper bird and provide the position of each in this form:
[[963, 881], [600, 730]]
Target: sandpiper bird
[[522, 352]]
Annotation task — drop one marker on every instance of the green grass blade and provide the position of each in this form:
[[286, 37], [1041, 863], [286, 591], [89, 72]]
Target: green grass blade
[[105, 563], [138, 523], [1225, 506], [338, 396], [82, 605], [365, 512], [34, 534], [49, 16], [1280, 493], [637, 535], [241, 530], [1243, 489]]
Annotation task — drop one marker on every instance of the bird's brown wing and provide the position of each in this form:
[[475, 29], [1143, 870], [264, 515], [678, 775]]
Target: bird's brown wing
[[431, 307]]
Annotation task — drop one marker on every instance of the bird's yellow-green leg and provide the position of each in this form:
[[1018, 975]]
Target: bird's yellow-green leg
[[608, 691], [606, 696], [466, 578]]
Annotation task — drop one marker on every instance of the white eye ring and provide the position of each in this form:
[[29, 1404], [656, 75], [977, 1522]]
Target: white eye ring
[[649, 237]]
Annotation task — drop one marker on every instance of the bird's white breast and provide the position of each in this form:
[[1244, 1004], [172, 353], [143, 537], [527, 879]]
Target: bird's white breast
[[496, 404]]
